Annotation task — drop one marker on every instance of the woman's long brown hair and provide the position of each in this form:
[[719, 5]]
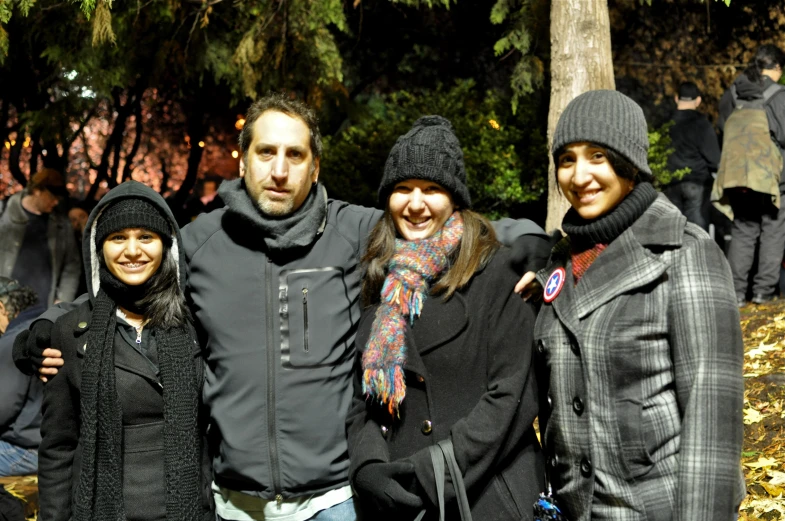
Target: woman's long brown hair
[[476, 248]]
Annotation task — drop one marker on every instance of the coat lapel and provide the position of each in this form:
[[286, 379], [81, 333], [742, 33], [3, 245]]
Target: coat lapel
[[439, 322], [626, 264], [125, 356], [564, 303], [131, 360]]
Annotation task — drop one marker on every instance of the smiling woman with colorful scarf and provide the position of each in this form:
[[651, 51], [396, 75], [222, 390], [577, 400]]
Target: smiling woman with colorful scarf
[[446, 348]]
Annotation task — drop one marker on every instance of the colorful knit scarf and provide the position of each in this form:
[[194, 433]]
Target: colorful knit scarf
[[414, 265]]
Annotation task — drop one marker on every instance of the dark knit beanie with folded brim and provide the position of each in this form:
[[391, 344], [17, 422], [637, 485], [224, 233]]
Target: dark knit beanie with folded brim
[[431, 151], [132, 213], [607, 118]]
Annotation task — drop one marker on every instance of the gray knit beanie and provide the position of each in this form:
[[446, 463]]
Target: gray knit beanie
[[607, 118], [430, 150]]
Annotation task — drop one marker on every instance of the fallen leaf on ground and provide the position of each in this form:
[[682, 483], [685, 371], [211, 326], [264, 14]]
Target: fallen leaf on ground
[[752, 416], [777, 477], [762, 462], [762, 349]]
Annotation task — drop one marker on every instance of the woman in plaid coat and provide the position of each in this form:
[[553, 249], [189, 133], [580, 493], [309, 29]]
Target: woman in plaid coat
[[638, 338]]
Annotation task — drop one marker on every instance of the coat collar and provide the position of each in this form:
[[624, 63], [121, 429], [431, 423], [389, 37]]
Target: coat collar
[[15, 211], [629, 262], [125, 356]]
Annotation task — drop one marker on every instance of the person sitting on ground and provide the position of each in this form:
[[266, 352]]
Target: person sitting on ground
[[20, 407]]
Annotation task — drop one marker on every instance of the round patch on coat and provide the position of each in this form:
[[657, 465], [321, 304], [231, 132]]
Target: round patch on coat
[[554, 285]]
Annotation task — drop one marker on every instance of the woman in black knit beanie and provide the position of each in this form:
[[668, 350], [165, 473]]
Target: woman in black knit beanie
[[121, 433], [638, 340]]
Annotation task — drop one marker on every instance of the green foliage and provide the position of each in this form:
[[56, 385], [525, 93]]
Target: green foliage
[[503, 153], [288, 44], [529, 71], [659, 151]]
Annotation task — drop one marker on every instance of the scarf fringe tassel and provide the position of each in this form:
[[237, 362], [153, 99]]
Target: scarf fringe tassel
[[388, 386]]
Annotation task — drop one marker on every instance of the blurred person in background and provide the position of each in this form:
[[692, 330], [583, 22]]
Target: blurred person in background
[[38, 247]]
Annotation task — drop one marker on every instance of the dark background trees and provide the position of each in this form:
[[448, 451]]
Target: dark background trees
[[154, 89]]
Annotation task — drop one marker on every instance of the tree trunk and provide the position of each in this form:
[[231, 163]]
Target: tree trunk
[[580, 61]]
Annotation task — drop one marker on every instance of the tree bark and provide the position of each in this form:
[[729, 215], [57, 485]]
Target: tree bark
[[580, 61]]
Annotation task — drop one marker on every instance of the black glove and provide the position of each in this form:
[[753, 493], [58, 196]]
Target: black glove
[[530, 253], [388, 486], [28, 352]]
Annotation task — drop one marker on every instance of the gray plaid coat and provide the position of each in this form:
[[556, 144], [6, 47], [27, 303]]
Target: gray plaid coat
[[643, 359]]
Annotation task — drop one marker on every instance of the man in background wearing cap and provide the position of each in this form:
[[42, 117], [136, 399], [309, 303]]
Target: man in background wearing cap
[[695, 146], [38, 248]]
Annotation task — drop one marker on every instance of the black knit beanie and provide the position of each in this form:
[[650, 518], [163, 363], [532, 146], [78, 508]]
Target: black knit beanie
[[430, 150], [132, 213], [607, 118]]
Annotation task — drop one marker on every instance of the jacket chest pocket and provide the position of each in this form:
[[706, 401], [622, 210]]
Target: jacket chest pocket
[[316, 316]]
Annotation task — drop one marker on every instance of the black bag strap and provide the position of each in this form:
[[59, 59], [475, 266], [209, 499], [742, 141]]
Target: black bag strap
[[440, 453], [771, 90]]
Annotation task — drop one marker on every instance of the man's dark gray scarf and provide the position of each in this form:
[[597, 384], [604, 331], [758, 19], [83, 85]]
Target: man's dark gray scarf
[[99, 495], [296, 230]]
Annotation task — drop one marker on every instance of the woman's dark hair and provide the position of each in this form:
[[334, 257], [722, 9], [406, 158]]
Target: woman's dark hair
[[621, 165], [477, 246], [17, 300], [767, 57], [164, 303]]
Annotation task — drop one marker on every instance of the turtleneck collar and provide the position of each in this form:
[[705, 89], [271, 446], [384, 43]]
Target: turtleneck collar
[[604, 229]]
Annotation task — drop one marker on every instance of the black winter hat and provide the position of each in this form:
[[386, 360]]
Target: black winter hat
[[430, 150], [132, 213], [607, 118]]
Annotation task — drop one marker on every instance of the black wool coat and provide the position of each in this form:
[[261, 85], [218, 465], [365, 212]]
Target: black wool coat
[[141, 400], [468, 378]]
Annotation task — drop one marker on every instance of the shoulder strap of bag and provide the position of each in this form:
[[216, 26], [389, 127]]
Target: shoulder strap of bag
[[771, 90], [437, 459], [440, 453], [457, 480]]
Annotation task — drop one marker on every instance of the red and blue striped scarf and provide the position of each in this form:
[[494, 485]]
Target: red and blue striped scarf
[[413, 266]]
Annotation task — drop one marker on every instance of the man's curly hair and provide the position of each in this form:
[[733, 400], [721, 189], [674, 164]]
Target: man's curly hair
[[15, 297]]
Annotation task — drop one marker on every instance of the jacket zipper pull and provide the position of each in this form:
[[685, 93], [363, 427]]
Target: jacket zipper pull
[[278, 500], [139, 335], [305, 319]]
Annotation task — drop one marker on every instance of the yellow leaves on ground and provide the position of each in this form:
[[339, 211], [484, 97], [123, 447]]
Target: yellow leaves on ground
[[752, 416], [762, 462], [764, 397], [761, 506], [760, 410]]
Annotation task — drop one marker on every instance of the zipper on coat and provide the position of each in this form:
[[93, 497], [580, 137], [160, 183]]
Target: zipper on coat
[[305, 319], [271, 357]]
